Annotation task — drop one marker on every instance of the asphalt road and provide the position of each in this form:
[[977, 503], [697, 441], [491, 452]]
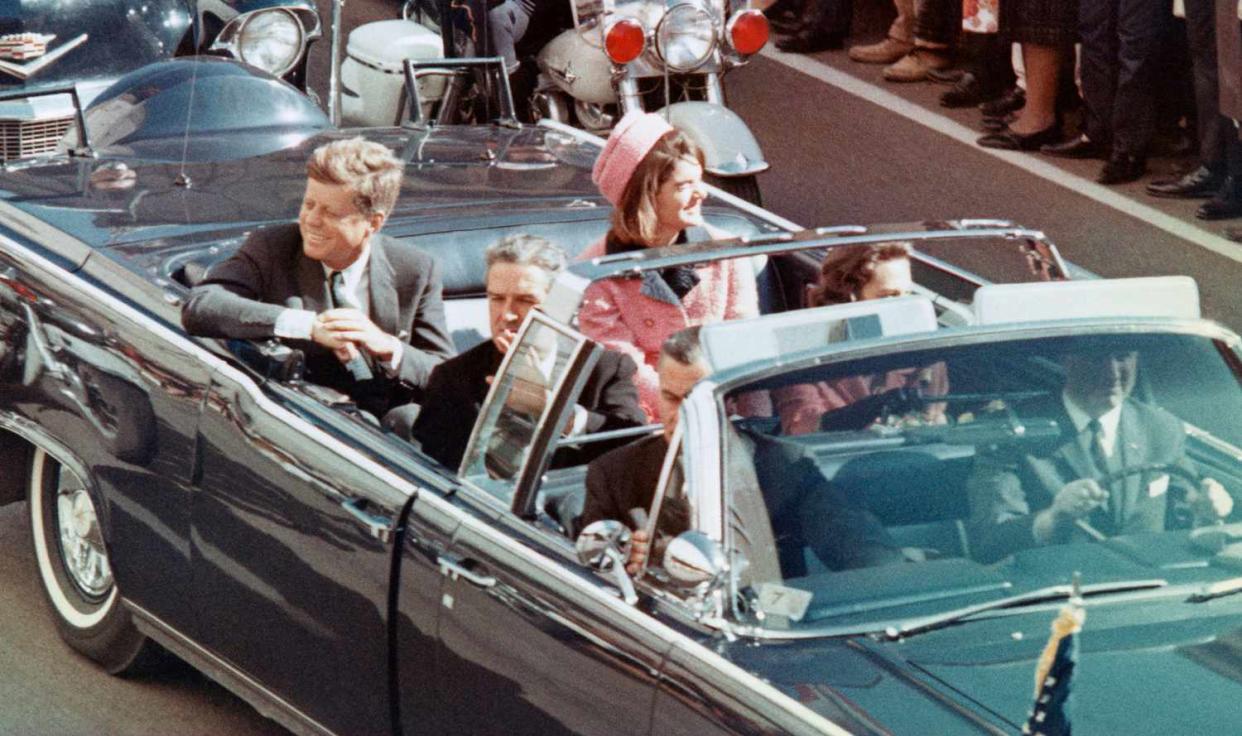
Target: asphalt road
[[835, 158]]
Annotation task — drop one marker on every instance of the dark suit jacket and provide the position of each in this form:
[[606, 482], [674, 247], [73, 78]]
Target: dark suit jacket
[[804, 509], [243, 295], [1008, 487], [458, 387]]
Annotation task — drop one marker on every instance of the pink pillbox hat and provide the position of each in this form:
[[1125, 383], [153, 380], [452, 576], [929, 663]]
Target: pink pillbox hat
[[631, 140]]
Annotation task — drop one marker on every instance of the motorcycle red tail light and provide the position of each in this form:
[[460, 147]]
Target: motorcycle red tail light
[[624, 40], [748, 31]]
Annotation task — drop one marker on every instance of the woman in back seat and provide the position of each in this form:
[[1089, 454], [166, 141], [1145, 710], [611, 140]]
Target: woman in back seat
[[653, 175], [849, 274]]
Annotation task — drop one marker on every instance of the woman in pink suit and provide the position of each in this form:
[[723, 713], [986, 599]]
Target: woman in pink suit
[[859, 273], [653, 175]]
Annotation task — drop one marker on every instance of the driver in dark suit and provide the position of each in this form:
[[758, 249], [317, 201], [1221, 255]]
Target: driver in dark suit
[[1056, 495], [366, 309]]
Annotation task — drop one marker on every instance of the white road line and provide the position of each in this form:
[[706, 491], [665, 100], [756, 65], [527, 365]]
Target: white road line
[[1031, 164]]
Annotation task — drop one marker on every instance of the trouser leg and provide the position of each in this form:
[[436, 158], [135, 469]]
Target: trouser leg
[[1097, 30], [937, 23], [1213, 128], [1140, 25]]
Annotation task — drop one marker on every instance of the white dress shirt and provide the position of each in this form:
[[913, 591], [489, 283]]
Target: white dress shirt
[[1109, 422], [296, 324]]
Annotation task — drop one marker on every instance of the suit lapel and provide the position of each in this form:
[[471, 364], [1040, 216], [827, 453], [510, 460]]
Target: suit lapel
[[383, 293], [311, 283], [1131, 450]]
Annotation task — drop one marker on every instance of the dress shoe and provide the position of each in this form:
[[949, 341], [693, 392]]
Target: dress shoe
[[1233, 233], [787, 26], [1078, 147], [808, 42], [951, 75], [966, 92], [913, 67], [1122, 168], [1225, 204], [1012, 100], [1198, 184], [993, 125], [885, 52], [1010, 141]]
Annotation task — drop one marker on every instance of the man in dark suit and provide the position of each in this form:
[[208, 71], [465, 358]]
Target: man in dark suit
[[365, 308], [1056, 495], [780, 502], [520, 270]]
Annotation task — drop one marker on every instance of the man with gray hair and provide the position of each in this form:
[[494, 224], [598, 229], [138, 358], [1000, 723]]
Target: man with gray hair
[[520, 271], [365, 308]]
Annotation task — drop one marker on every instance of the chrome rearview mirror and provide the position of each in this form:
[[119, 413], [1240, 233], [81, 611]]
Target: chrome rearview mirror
[[695, 561], [605, 546]]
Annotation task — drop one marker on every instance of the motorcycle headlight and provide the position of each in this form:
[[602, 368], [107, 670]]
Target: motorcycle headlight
[[272, 40], [685, 37]]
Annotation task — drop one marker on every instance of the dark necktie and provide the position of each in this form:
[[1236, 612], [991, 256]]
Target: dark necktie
[[1103, 464], [336, 290]]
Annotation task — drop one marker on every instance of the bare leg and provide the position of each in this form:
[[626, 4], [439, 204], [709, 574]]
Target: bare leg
[[1043, 65]]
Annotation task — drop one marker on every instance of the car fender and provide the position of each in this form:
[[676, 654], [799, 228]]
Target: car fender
[[730, 149]]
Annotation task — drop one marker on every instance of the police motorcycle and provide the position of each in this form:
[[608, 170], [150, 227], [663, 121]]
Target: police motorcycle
[[611, 57]]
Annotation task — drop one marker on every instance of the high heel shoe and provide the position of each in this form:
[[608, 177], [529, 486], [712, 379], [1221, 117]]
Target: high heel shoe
[[1009, 140]]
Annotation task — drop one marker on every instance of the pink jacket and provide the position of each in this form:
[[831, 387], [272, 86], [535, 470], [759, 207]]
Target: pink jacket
[[800, 407], [634, 316]]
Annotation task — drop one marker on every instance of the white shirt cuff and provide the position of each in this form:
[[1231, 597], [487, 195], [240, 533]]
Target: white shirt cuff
[[579, 424], [394, 363], [295, 324]]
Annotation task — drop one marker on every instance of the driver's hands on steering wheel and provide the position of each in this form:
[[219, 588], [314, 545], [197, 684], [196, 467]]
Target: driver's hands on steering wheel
[[1210, 502], [1079, 498], [1075, 500]]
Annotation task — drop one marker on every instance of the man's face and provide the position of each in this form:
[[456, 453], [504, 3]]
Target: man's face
[[333, 230], [512, 291], [676, 380], [678, 201], [1100, 381], [891, 278]]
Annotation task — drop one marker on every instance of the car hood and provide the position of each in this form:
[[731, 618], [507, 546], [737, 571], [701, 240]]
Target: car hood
[[1150, 659], [1143, 667], [120, 36]]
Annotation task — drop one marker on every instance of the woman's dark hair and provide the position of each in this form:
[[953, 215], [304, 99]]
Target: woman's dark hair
[[634, 218], [845, 271]]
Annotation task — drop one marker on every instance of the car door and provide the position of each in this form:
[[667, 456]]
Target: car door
[[530, 641], [294, 533]]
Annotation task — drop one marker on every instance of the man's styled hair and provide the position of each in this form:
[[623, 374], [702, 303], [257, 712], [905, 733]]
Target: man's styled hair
[[521, 249], [369, 169], [845, 271], [683, 346], [634, 219]]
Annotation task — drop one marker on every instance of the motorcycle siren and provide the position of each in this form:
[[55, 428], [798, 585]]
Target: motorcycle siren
[[748, 31], [624, 40]]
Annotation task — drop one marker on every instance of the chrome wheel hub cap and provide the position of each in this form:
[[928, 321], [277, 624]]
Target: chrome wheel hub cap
[[86, 561]]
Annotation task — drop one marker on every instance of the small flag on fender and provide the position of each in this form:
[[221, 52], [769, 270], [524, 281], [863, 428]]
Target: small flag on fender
[[1054, 672]]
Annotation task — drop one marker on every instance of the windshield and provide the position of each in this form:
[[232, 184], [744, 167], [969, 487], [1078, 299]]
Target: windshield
[[973, 471]]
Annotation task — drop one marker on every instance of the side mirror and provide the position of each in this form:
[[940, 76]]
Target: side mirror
[[605, 546], [695, 561]]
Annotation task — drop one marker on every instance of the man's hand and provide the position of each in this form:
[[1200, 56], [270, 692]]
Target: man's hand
[[340, 329], [639, 544], [1210, 502], [1075, 500], [1079, 498]]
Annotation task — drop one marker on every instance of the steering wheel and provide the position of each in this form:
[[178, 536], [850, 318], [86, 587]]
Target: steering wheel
[[1181, 517]]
